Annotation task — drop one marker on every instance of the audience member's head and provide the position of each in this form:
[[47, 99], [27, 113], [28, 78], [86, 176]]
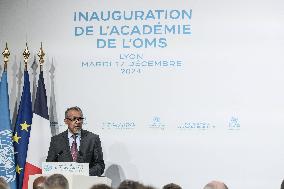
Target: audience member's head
[[39, 182], [215, 185], [3, 183], [130, 184], [100, 186], [149, 187], [282, 185], [56, 181], [172, 186]]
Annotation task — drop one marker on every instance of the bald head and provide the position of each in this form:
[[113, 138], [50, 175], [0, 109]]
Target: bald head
[[215, 185]]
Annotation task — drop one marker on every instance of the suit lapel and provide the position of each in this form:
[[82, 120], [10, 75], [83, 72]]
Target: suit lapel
[[83, 140], [66, 145]]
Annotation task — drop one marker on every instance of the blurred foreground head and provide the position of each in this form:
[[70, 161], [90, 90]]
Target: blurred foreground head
[[100, 186], [130, 184], [56, 181], [215, 185], [3, 184], [39, 182], [172, 186]]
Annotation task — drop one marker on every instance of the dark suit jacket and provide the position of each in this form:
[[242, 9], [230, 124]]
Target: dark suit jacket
[[90, 151]]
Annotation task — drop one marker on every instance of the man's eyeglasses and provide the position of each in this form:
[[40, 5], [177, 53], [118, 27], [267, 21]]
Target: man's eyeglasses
[[79, 119]]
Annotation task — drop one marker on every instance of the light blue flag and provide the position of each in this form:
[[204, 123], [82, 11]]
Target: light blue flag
[[7, 162]]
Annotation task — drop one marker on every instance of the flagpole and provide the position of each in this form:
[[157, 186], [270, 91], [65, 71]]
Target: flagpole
[[41, 55], [6, 54], [23, 124], [40, 133], [6, 134]]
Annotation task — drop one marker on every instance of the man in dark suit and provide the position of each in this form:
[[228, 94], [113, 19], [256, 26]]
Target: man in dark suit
[[76, 144]]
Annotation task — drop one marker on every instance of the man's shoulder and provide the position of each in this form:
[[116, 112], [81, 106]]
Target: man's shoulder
[[60, 135], [86, 133]]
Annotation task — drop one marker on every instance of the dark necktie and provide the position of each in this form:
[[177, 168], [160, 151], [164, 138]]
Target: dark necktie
[[74, 151]]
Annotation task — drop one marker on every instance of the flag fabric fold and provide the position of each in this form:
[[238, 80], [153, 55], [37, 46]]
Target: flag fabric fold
[[7, 162], [22, 130], [40, 134]]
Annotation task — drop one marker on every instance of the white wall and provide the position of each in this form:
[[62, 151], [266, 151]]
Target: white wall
[[230, 80]]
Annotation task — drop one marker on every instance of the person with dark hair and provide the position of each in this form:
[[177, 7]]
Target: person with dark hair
[[3, 184], [215, 185], [56, 181], [39, 182], [76, 144], [282, 185], [100, 186], [130, 184], [172, 186]]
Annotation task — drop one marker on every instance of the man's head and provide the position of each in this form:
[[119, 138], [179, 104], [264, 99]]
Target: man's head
[[100, 186], [149, 187], [74, 119], [130, 184], [215, 185], [172, 186], [56, 181], [39, 182], [3, 183]]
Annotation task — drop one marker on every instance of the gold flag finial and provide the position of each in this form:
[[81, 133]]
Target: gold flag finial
[[6, 54], [26, 55], [41, 55]]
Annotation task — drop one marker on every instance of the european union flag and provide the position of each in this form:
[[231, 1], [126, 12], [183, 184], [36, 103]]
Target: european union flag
[[22, 130], [7, 163]]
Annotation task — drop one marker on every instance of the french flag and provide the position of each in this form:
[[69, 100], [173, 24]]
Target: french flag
[[40, 134]]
